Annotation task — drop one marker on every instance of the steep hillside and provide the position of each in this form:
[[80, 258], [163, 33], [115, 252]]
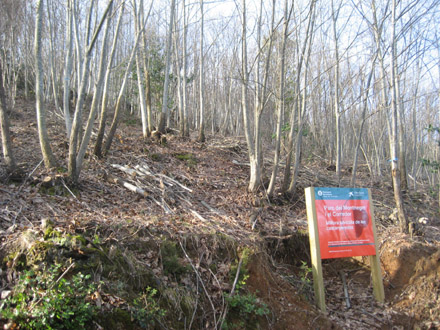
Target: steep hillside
[[171, 239]]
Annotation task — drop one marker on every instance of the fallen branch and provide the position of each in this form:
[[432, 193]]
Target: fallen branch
[[125, 169], [240, 164], [209, 207], [174, 181], [198, 216], [113, 179], [201, 281]]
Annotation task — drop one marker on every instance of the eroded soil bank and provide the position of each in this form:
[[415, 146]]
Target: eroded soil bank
[[194, 249]]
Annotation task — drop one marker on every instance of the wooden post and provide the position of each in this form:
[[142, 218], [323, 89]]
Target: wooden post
[[376, 272], [315, 252]]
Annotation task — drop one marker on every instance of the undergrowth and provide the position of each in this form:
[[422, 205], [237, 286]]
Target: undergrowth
[[46, 300]]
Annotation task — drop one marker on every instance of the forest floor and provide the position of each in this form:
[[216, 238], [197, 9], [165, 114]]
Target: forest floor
[[194, 200]]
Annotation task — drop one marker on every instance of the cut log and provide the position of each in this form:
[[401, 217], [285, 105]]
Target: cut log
[[113, 179]]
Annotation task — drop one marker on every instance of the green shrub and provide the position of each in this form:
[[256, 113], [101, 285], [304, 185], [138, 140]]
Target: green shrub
[[245, 308], [145, 309], [43, 300]]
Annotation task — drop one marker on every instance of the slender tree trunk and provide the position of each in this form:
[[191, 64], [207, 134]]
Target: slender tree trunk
[[165, 112], [103, 115], [303, 107], [51, 58], [402, 146], [201, 137], [116, 116], [68, 69], [140, 76], [179, 66], [336, 99], [77, 118], [8, 154], [255, 175], [185, 72], [46, 150], [394, 133], [290, 139], [147, 80], [97, 95], [281, 103], [364, 111]]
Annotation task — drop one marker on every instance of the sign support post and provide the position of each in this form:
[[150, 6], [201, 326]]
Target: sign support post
[[341, 224], [376, 272], [315, 252]]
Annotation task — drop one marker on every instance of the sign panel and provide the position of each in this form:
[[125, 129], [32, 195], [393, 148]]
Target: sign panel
[[345, 227]]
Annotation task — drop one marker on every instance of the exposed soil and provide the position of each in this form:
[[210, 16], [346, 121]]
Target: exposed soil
[[194, 195]]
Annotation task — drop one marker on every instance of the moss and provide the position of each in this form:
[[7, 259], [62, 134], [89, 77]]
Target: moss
[[171, 263], [58, 189], [189, 158], [156, 157], [77, 240], [16, 260], [116, 319], [41, 251], [245, 254]]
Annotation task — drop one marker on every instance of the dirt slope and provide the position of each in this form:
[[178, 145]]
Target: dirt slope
[[194, 206]]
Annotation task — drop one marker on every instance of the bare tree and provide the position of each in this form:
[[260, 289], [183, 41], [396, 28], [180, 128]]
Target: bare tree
[[302, 103], [164, 113], [201, 137], [146, 118], [394, 133], [363, 120], [8, 154], [68, 67], [103, 113], [302, 57], [117, 112], [97, 95], [282, 97], [337, 111], [48, 156], [77, 118]]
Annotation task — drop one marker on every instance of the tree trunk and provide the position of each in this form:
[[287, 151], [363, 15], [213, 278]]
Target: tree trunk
[[364, 111], [201, 137], [68, 69], [296, 110], [140, 76], [46, 150], [303, 103], [97, 95], [165, 112], [336, 99], [103, 115], [255, 174], [185, 127], [77, 118], [116, 115], [394, 133], [281, 103], [8, 154], [402, 146]]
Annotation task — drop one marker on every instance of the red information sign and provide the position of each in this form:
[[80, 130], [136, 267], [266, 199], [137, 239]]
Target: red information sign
[[344, 222]]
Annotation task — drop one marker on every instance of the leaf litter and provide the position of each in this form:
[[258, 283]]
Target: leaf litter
[[144, 192]]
